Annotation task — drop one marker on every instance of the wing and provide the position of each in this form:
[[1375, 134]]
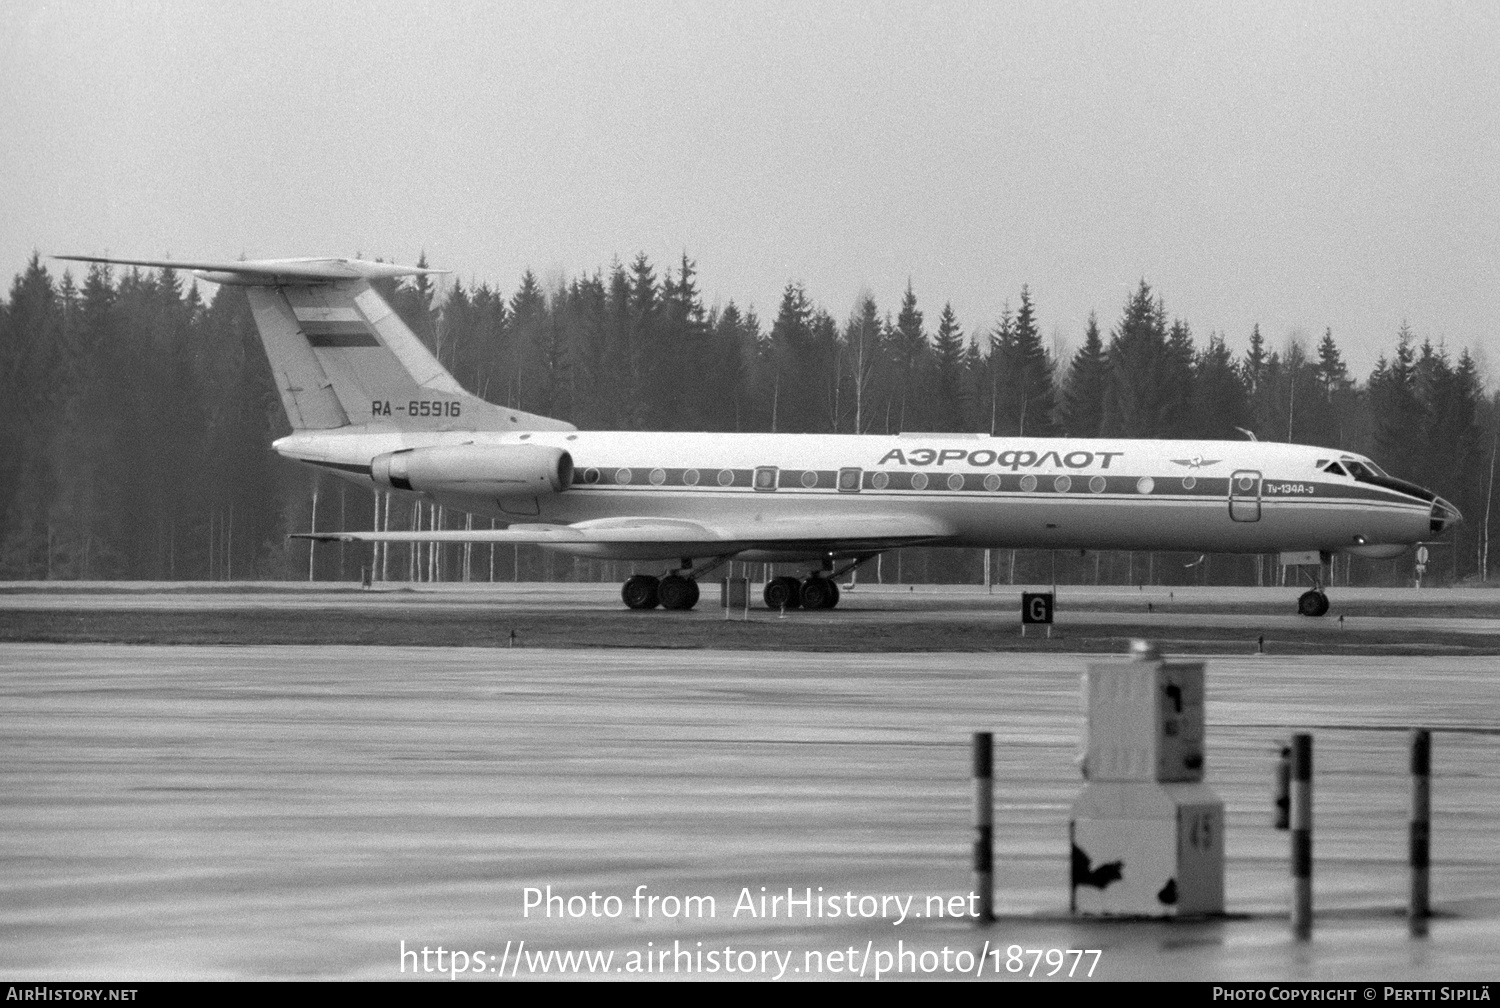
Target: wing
[[648, 538]]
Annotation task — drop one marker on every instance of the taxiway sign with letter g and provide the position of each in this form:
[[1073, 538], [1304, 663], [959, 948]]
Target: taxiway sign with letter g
[[1036, 607]]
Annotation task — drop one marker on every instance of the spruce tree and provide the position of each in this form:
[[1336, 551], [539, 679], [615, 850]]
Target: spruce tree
[[1333, 376], [910, 357], [31, 361], [1332, 413], [1395, 409], [1178, 361], [682, 400], [1082, 411], [949, 351], [1028, 399], [1220, 400], [791, 352], [1138, 399], [525, 331]]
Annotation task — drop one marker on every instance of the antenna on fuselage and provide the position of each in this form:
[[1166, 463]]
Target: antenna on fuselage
[[1249, 434]]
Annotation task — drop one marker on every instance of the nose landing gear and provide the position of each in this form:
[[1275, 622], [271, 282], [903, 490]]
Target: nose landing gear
[[1313, 603], [1311, 565]]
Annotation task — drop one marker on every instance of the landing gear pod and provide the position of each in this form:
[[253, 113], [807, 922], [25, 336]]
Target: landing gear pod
[[486, 470]]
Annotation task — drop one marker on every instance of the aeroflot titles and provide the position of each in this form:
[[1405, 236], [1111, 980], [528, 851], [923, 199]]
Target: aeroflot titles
[[1009, 459]]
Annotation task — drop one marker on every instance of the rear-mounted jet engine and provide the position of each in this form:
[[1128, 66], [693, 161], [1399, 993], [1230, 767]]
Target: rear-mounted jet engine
[[485, 470]]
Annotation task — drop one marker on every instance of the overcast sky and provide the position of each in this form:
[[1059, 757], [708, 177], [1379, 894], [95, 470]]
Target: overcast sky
[[1297, 165]]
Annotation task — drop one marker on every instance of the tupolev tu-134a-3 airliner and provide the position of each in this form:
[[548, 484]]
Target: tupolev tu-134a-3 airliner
[[368, 402]]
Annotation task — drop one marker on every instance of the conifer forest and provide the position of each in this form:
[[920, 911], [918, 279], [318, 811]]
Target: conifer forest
[[137, 413]]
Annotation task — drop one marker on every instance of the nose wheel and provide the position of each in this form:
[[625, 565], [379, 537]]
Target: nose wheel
[[1312, 603]]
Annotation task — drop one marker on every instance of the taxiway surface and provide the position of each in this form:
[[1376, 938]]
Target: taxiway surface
[[286, 812], [870, 618]]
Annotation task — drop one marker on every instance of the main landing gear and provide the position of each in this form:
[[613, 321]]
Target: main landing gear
[[818, 591], [671, 592], [678, 589]]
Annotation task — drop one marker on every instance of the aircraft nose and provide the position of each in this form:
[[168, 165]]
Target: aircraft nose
[[1443, 515]]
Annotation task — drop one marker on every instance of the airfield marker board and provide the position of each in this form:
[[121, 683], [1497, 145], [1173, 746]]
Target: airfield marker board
[[1037, 608]]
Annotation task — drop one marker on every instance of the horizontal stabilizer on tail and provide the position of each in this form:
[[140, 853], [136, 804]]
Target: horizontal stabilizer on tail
[[274, 272]]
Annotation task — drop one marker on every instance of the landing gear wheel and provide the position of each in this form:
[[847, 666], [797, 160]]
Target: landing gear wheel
[[639, 592], [677, 592], [783, 593], [1313, 603], [819, 593]]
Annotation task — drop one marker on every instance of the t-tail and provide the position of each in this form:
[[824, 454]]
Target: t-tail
[[341, 357]]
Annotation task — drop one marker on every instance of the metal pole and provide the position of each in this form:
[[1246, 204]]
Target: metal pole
[[1302, 819], [312, 543], [1284, 788], [1421, 826], [984, 823]]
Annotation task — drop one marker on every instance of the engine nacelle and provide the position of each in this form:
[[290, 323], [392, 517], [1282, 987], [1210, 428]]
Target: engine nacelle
[[486, 470]]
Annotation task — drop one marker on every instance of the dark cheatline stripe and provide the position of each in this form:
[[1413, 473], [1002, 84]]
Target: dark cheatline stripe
[[363, 470], [1205, 489]]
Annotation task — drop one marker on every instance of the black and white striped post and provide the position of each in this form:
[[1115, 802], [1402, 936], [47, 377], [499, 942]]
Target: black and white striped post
[[1420, 848], [1284, 788], [1302, 820], [984, 823]]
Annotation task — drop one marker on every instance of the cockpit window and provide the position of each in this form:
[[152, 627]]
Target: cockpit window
[[1334, 468], [1368, 472]]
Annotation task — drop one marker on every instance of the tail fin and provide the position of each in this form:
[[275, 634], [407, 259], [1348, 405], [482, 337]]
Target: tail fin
[[341, 356]]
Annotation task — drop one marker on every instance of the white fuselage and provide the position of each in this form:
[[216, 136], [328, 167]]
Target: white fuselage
[[1201, 496]]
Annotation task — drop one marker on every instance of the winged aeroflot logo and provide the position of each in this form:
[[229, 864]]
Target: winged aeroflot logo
[[1196, 462]]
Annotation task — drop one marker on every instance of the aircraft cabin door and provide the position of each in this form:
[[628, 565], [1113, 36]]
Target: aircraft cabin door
[[1244, 496]]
